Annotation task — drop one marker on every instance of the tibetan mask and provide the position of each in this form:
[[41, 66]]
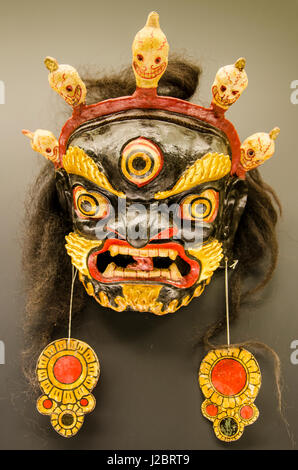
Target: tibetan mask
[[134, 245], [155, 186]]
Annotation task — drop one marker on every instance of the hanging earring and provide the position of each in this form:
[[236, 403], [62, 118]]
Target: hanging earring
[[230, 380], [67, 371]]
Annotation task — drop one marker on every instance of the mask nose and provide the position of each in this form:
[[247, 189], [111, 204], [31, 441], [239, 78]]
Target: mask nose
[[137, 227], [138, 243], [144, 224]]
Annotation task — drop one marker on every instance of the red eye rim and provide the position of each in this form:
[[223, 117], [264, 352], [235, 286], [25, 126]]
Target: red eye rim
[[235, 92], [223, 88], [48, 150], [69, 88], [157, 60], [140, 57]]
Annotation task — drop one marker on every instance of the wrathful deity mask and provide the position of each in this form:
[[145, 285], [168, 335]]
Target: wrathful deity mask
[[134, 245], [155, 185]]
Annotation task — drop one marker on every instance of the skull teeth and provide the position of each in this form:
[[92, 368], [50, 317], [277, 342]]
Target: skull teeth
[[151, 74], [143, 252], [113, 271]]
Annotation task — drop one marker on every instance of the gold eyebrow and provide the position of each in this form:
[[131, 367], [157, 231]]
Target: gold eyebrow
[[76, 162], [210, 167]]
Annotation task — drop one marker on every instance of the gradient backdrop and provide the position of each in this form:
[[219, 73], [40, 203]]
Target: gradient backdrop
[[148, 397]]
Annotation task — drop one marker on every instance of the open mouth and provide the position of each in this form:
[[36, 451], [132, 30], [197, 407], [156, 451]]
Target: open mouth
[[164, 263], [152, 74]]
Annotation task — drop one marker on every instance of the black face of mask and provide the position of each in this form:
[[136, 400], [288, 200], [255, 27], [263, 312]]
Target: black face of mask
[[151, 236]]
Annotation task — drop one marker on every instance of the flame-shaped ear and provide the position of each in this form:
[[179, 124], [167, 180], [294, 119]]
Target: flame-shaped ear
[[45, 143], [65, 80], [229, 83], [258, 148], [150, 50]]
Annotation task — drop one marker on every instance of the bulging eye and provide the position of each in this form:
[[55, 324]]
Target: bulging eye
[[90, 204], [48, 150], [157, 60], [201, 207], [223, 88], [140, 57], [69, 88]]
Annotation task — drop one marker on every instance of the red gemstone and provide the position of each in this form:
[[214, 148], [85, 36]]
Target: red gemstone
[[211, 410], [47, 404], [84, 402], [228, 377], [67, 369], [246, 412]]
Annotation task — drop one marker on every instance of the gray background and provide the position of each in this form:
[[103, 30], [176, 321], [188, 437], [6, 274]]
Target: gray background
[[148, 397]]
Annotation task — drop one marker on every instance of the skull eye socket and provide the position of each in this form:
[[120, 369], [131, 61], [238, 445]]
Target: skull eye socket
[[200, 207], [140, 57], [157, 60], [90, 204], [69, 88], [223, 88], [235, 92]]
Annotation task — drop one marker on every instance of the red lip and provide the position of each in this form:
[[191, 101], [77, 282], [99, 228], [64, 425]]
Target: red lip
[[143, 270]]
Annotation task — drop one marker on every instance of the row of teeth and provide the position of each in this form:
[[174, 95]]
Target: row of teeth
[[151, 74], [172, 273], [143, 252]]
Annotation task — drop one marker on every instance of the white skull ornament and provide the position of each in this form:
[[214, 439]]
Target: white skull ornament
[[45, 143], [229, 83], [258, 148], [150, 51], [65, 80]]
